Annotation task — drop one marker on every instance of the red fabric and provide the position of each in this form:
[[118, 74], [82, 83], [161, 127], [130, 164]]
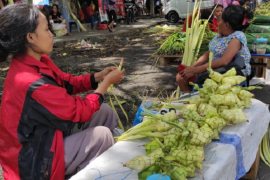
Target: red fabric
[[81, 16], [23, 72], [214, 26], [189, 22], [180, 68]]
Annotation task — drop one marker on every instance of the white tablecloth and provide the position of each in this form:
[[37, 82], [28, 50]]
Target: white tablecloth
[[227, 159]]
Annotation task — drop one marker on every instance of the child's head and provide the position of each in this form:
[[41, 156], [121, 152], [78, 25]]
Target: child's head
[[218, 9], [55, 8]]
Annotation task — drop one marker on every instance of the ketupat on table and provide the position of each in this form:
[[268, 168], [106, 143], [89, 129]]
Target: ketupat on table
[[227, 159]]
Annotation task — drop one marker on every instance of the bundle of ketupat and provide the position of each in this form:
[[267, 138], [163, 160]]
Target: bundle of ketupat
[[263, 9], [176, 148]]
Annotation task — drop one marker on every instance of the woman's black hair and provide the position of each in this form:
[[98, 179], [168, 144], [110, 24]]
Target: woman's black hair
[[217, 6], [205, 13], [234, 15], [16, 22], [55, 6]]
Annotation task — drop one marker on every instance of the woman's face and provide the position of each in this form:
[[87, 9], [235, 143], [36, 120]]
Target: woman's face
[[42, 40], [222, 26], [218, 12], [54, 9]]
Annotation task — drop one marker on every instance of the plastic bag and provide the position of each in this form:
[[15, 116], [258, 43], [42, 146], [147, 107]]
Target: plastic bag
[[57, 26], [60, 32]]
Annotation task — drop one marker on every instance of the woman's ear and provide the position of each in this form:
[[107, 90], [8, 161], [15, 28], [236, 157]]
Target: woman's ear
[[30, 38]]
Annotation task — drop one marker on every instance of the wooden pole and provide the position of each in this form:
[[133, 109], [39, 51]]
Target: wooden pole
[[152, 8]]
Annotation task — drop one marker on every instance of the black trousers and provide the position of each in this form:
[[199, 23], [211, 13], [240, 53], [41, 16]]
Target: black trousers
[[112, 15]]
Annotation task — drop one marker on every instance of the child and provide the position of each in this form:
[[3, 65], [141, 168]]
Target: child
[[217, 15]]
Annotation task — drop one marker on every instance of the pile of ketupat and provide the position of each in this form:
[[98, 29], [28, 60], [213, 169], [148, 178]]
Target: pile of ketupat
[[263, 9], [176, 148]]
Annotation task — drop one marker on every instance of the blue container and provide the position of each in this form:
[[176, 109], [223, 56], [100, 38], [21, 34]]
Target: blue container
[[139, 117], [158, 177]]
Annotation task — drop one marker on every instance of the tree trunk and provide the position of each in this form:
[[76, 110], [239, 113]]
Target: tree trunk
[[152, 8]]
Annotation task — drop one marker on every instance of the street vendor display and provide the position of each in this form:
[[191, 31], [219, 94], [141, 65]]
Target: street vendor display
[[229, 157], [177, 147]]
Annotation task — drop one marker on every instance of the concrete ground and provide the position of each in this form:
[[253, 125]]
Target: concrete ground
[[95, 33]]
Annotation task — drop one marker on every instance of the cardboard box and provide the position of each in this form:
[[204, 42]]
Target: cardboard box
[[252, 173]]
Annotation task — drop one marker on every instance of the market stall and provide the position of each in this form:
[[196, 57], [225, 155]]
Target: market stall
[[228, 158], [259, 29]]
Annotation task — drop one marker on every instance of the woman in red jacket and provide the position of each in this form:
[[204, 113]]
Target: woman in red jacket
[[38, 109]]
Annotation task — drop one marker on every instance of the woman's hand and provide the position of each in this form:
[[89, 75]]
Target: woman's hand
[[102, 74], [188, 73], [115, 76]]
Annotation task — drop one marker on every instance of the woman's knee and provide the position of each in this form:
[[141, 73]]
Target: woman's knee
[[104, 134], [106, 109], [179, 78]]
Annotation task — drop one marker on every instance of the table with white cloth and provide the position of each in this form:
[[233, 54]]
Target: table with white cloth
[[226, 159]]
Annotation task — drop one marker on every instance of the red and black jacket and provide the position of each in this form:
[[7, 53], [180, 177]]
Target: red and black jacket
[[37, 107]]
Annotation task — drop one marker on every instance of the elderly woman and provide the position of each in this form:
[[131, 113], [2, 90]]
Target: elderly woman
[[229, 44], [39, 109]]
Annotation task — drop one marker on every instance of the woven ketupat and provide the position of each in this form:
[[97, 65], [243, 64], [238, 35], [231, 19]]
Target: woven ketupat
[[205, 108], [216, 122], [216, 133], [186, 157], [178, 173], [231, 72], [171, 140], [191, 115], [156, 154], [200, 138], [151, 146], [192, 126], [215, 76], [172, 131], [191, 171], [140, 163], [162, 126], [210, 85], [224, 89], [233, 115]]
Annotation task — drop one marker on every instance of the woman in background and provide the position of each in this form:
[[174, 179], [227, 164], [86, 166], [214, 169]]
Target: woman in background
[[57, 18]]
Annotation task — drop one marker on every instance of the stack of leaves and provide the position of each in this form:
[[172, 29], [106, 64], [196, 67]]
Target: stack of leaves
[[176, 148], [174, 45]]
